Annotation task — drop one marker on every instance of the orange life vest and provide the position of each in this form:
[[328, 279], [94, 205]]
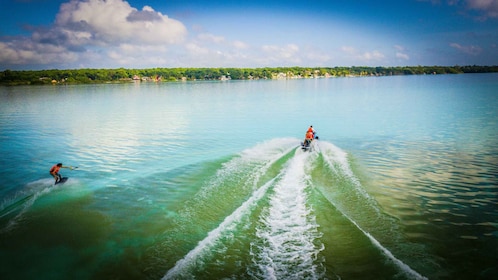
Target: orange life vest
[[55, 169], [309, 135]]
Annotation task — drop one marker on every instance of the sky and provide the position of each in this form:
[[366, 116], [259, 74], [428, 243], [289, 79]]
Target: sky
[[73, 34]]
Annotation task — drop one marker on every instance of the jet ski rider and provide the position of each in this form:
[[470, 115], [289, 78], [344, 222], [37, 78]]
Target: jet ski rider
[[310, 129], [310, 135]]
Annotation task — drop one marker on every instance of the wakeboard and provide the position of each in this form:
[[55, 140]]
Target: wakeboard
[[62, 180]]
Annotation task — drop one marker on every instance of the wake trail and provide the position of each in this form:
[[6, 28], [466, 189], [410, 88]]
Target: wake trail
[[183, 266], [406, 269], [287, 245], [332, 155], [22, 202], [261, 157]]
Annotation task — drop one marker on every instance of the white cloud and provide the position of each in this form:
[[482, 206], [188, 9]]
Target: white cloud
[[195, 49], [399, 48], [403, 56], [362, 57], [374, 55], [401, 53], [115, 21], [348, 50], [208, 37], [488, 7], [23, 51], [128, 54], [11, 55], [289, 50], [472, 50], [281, 54], [316, 56], [485, 8], [82, 29], [240, 45]]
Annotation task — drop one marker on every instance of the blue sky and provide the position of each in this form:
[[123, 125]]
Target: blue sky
[[68, 34]]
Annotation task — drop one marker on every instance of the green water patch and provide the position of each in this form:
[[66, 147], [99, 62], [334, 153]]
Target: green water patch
[[67, 233], [347, 252], [381, 233], [55, 241], [145, 209]]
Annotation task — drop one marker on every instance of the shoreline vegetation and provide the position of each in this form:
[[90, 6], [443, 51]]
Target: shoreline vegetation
[[122, 75]]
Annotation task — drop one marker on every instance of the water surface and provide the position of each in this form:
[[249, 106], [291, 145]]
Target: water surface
[[206, 179]]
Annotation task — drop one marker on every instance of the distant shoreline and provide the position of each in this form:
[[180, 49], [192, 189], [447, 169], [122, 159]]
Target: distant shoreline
[[122, 75]]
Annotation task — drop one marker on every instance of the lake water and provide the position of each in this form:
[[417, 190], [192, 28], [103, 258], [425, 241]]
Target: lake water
[[206, 180]]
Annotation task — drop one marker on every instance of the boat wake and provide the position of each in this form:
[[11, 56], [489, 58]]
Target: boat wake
[[288, 237], [13, 208], [274, 232]]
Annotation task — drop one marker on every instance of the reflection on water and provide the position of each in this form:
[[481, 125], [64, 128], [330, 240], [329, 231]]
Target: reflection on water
[[458, 181], [436, 189]]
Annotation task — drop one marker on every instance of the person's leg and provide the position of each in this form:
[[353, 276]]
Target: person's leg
[[57, 177]]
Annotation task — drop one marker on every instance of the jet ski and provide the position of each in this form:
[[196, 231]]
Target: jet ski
[[307, 145]]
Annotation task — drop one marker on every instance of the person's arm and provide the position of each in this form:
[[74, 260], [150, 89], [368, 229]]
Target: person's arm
[[68, 167]]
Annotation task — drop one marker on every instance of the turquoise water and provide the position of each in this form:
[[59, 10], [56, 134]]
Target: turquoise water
[[206, 180]]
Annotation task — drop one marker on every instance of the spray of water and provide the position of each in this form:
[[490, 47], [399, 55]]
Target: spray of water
[[258, 160], [185, 265], [22, 201], [287, 242], [288, 236]]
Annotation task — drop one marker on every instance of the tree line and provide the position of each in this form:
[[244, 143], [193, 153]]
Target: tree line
[[85, 76]]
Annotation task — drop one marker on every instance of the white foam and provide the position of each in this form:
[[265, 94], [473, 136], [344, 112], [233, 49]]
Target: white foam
[[288, 234], [183, 266], [259, 159], [288, 242], [34, 189], [269, 149], [333, 156]]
